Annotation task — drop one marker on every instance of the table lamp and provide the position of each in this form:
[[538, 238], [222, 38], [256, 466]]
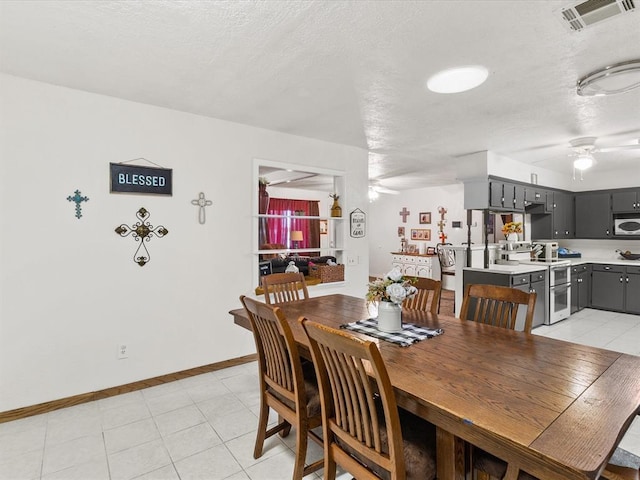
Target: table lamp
[[296, 238]]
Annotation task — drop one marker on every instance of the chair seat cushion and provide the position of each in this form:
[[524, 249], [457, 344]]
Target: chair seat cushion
[[419, 445], [311, 390], [485, 462]]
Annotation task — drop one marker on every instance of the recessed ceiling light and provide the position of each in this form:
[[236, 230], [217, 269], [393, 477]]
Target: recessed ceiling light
[[458, 79]]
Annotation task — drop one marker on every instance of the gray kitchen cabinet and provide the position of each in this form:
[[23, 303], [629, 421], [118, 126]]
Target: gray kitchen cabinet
[[580, 287], [625, 201], [526, 282], [507, 196], [632, 287], [563, 215], [608, 287], [593, 215]]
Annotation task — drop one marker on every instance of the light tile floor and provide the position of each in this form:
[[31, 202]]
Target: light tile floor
[[204, 427]]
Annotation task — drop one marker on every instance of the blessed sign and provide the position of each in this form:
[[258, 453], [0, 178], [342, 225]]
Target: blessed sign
[[137, 179], [357, 223]]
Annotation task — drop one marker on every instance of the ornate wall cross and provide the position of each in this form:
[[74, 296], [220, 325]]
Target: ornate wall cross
[[443, 236], [142, 231], [201, 202], [78, 199], [404, 214]]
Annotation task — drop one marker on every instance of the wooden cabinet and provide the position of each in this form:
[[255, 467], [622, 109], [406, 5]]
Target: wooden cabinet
[[625, 201], [563, 215], [580, 287], [593, 215], [414, 265]]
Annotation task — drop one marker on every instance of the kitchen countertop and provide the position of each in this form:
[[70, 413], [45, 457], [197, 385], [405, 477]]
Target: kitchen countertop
[[536, 267], [510, 269]]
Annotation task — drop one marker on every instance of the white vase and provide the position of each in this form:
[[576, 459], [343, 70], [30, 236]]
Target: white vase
[[389, 317], [512, 237]]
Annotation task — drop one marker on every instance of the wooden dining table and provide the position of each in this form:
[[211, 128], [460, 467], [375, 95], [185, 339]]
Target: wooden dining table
[[552, 408]]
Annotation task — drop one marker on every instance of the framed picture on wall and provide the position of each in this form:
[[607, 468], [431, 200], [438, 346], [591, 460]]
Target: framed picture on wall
[[401, 231], [420, 234], [323, 227], [425, 218]]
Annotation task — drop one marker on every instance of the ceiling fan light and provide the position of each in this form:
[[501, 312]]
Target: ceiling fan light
[[583, 162], [617, 78], [458, 79]]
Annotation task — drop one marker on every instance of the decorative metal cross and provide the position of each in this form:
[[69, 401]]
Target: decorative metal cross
[[201, 202], [404, 214], [78, 199], [142, 232], [443, 236]]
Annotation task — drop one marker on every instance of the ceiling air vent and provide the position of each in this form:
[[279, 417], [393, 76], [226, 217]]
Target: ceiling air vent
[[583, 14]]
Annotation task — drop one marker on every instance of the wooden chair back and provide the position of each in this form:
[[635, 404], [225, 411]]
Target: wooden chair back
[[428, 297], [497, 305], [284, 287], [350, 373], [282, 383]]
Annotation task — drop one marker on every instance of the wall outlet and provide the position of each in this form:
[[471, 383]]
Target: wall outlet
[[123, 351], [352, 260]]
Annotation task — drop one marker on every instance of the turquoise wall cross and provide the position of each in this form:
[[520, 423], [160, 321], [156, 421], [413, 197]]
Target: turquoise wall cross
[[78, 199]]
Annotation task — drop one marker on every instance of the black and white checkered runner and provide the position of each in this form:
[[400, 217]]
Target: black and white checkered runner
[[409, 335]]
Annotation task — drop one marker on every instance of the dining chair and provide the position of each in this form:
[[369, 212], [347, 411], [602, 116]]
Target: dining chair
[[497, 305], [488, 467], [428, 297], [284, 386], [363, 430], [447, 259], [285, 287]]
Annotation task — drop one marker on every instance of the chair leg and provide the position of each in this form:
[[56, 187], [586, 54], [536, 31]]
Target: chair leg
[[262, 428], [301, 452]]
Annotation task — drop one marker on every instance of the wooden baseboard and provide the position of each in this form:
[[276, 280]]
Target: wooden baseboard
[[129, 387]]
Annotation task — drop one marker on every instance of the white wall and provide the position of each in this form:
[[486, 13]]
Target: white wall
[[385, 220], [69, 289]]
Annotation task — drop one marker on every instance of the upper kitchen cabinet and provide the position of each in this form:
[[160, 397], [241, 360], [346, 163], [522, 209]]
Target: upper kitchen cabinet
[[495, 195], [593, 215], [563, 216], [626, 201]]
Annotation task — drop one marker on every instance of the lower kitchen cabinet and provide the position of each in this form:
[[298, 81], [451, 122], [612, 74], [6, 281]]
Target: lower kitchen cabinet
[[527, 282], [615, 287], [632, 285], [580, 287]]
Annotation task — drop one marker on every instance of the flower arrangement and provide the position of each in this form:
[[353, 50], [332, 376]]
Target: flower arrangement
[[394, 288], [263, 181], [512, 227]]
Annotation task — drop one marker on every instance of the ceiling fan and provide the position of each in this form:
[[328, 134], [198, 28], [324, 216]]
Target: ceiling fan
[[584, 148]]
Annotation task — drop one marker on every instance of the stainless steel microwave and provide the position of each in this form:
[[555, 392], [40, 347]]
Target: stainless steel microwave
[[626, 226]]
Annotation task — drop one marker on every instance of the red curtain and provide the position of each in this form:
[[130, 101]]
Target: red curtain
[[280, 228]]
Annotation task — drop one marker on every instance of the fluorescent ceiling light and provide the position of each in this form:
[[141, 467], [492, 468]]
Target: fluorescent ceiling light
[[458, 79], [617, 78], [583, 161]]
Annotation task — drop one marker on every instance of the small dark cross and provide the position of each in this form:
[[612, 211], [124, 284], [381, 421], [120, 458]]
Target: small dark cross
[[78, 199], [202, 202], [404, 214]]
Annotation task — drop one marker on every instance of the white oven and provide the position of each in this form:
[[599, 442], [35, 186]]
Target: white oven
[[559, 291]]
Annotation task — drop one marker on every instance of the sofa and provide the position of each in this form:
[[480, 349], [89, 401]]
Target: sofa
[[278, 265]]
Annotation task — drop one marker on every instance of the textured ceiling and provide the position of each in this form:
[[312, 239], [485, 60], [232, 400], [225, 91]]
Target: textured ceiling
[[350, 72]]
